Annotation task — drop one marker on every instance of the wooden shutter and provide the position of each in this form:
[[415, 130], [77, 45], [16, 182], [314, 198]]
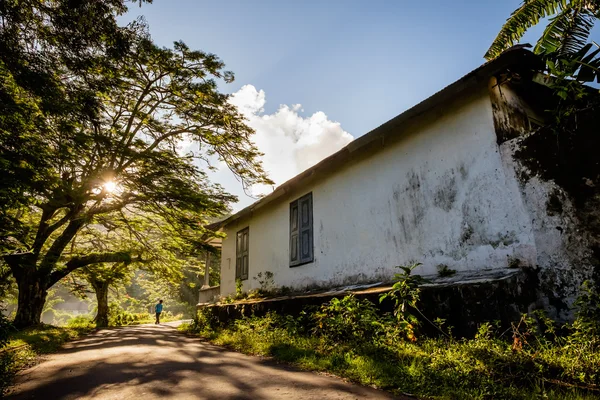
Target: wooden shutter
[[306, 231], [242, 258], [294, 233], [301, 231]]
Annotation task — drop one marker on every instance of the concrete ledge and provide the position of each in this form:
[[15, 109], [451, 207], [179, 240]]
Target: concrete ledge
[[208, 294], [464, 300]]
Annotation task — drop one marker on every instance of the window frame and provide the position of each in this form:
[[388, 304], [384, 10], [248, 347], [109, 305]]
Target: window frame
[[297, 230], [240, 253]]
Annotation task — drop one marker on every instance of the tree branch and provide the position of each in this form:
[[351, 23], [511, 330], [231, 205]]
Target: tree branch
[[61, 243], [93, 258]]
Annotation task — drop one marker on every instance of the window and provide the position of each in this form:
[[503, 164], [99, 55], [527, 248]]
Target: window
[[301, 231], [241, 254]]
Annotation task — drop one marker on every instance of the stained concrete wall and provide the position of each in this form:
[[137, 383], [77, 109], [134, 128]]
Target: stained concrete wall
[[563, 256], [440, 194]]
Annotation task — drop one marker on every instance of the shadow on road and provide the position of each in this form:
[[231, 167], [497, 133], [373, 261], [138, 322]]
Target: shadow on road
[[159, 362]]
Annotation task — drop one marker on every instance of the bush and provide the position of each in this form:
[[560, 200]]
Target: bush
[[5, 329], [349, 320], [6, 361], [117, 316], [81, 322], [205, 322], [349, 337]]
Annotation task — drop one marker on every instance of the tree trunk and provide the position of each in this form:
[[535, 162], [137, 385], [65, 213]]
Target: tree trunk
[[32, 297], [101, 289]]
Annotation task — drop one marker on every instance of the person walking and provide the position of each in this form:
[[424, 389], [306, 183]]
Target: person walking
[[158, 309]]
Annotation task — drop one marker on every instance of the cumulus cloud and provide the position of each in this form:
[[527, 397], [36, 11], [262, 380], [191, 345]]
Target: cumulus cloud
[[291, 142]]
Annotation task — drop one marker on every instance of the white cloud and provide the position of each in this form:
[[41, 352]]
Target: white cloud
[[291, 142]]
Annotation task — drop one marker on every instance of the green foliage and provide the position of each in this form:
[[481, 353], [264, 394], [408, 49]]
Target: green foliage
[[81, 322], [204, 322], [348, 320], [567, 31], [117, 316], [5, 329], [147, 288], [94, 175], [52, 300], [350, 338], [239, 289], [586, 328], [445, 271], [405, 293], [564, 46], [24, 347]]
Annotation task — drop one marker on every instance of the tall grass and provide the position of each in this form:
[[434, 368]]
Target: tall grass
[[350, 338]]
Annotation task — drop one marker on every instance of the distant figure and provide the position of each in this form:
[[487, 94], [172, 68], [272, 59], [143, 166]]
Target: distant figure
[[158, 310]]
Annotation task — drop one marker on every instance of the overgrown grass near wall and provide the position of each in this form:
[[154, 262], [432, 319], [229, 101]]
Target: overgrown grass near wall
[[350, 338]]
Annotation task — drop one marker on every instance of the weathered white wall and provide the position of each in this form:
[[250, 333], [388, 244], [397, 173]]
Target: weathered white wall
[[562, 245], [440, 195]]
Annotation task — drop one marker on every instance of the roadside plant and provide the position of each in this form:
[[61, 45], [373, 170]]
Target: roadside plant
[[586, 328], [205, 321], [5, 328], [406, 293], [348, 320], [239, 289]]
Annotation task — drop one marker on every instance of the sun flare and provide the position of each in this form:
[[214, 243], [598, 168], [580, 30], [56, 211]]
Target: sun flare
[[110, 186]]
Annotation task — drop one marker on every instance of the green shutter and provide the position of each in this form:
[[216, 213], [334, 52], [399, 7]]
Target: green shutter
[[294, 233], [301, 231], [242, 256]]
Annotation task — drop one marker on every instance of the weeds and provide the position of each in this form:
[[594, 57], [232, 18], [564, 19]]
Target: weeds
[[444, 271], [353, 339], [266, 281], [24, 347]]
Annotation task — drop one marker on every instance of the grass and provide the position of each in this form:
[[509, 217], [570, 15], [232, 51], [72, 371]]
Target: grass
[[485, 367], [24, 347]]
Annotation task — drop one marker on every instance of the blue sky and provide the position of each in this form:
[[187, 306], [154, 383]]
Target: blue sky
[[358, 62]]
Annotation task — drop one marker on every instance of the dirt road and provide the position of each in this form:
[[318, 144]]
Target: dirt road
[[157, 362]]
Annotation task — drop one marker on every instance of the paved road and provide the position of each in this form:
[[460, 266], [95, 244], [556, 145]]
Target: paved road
[[156, 362]]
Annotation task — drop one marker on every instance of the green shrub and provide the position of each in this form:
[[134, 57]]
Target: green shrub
[[6, 360], [205, 321], [349, 337], [406, 293], [117, 316], [81, 322], [349, 320], [6, 328]]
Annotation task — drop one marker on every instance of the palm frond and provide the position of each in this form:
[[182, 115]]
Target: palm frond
[[589, 63], [567, 32], [523, 18]]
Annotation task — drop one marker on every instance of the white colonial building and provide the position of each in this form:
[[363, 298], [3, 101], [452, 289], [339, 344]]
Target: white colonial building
[[437, 184]]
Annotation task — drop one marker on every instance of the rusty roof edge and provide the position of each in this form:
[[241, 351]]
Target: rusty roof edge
[[508, 58]]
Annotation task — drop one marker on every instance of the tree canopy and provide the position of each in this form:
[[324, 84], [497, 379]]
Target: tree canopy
[[99, 145]]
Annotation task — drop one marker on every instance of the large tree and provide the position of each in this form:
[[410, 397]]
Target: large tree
[[49, 53], [129, 159]]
